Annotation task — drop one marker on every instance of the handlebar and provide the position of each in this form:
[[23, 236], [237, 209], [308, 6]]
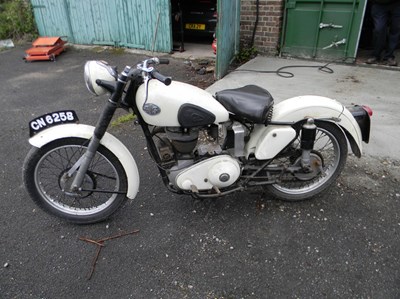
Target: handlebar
[[151, 61], [144, 70], [166, 80], [150, 72]]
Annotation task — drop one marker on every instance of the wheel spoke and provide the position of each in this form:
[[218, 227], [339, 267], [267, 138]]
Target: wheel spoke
[[49, 181], [327, 149]]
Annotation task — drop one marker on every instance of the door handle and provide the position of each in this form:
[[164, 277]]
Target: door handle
[[323, 25], [335, 44]]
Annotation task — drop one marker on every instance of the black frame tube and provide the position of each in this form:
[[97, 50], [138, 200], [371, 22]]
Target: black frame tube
[[130, 98]]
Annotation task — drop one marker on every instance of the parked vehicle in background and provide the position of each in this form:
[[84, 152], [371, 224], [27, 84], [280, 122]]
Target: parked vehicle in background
[[214, 45], [197, 18]]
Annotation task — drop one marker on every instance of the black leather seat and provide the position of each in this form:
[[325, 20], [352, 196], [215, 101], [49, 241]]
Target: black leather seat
[[250, 102]]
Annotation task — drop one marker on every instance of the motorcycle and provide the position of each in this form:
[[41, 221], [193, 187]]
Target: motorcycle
[[203, 145]]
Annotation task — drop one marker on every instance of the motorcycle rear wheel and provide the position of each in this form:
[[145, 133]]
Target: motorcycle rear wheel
[[330, 148], [44, 175]]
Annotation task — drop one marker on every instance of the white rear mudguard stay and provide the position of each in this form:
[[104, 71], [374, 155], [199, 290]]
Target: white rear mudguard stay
[[297, 109], [109, 141]]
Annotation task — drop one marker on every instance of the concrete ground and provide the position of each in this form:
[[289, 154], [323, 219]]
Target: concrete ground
[[195, 51], [376, 87]]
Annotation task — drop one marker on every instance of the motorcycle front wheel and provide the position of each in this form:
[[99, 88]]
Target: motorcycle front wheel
[[102, 191], [329, 153]]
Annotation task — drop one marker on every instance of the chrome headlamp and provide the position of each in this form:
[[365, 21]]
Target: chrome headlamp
[[97, 69]]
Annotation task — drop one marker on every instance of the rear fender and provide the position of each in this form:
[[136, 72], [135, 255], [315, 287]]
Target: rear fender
[[301, 108], [109, 141]]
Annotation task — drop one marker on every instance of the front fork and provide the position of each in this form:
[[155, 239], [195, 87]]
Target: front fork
[[82, 165]]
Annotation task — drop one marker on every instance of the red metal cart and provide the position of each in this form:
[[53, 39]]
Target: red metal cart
[[45, 48]]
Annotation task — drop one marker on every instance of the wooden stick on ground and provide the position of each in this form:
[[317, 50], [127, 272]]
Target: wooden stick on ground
[[100, 244]]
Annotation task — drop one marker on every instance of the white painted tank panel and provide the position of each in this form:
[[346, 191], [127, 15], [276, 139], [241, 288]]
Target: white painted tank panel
[[170, 98]]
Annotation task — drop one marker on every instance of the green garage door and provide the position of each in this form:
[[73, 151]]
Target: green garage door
[[325, 29]]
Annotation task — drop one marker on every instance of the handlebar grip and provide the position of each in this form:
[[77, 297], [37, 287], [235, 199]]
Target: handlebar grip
[[164, 60], [166, 80]]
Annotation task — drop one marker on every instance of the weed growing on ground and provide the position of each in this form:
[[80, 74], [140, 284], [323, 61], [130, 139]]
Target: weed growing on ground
[[17, 20]]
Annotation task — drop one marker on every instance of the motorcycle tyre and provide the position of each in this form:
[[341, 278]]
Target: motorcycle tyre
[[343, 148], [34, 156]]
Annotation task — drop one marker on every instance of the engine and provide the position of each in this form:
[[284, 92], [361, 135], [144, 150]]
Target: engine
[[202, 158], [217, 172], [189, 144]]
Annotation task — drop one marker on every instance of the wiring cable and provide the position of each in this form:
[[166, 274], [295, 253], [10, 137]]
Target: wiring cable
[[281, 72]]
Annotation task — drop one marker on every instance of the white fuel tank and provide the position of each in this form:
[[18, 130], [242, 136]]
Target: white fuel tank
[[169, 106]]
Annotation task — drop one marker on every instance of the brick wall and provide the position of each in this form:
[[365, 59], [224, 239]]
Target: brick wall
[[267, 36]]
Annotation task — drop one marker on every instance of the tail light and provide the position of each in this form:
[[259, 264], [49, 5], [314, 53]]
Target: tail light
[[368, 109], [362, 116]]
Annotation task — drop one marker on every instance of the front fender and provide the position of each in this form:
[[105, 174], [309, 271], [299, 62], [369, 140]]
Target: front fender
[[303, 107], [109, 141]]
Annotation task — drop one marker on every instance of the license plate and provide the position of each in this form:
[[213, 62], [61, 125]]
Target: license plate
[[191, 26], [52, 119]]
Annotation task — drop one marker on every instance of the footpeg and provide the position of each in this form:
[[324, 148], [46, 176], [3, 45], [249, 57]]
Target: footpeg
[[194, 189], [216, 189]]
